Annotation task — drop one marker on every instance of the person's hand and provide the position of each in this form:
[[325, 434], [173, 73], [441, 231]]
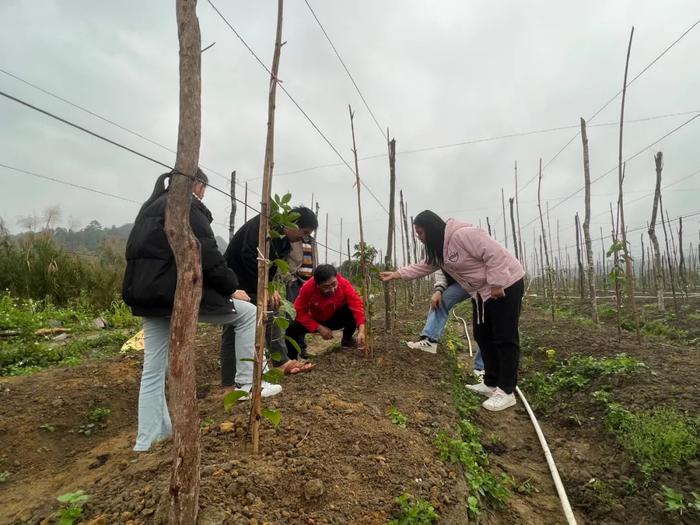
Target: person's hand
[[388, 276], [275, 300], [436, 299], [361, 337], [497, 292], [325, 332], [241, 295]]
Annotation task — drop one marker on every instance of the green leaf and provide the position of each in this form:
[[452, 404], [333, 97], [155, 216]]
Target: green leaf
[[287, 308], [272, 415], [293, 216], [287, 197], [282, 265], [293, 343], [232, 398], [76, 498], [276, 356], [274, 375], [282, 322]]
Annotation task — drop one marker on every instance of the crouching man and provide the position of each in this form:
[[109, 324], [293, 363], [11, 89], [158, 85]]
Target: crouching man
[[325, 303]]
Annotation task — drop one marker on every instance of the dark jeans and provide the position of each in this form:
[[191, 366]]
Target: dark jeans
[[341, 320], [498, 337]]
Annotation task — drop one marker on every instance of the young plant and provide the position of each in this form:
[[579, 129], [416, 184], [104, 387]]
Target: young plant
[[414, 511], [674, 500], [4, 476], [71, 506], [397, 418]]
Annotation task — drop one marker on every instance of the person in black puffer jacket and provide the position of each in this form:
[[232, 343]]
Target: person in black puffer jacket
[[242, 256], [149, 289]]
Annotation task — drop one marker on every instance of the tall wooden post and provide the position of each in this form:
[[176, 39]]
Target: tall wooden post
[[515, 237], [579, 259], [364, 266], [517, 213], [340, 245], [390, 236], [326, 257], [263, 237], [232, 216], [184, 480], [543, 240], [245, 204], [629, 269], [503, 212], [587, 224]]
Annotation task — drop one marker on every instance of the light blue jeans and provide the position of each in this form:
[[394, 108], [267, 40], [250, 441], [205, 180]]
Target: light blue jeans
[[154, 419], [437, 317]]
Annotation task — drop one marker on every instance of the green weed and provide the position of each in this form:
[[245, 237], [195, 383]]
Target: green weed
[[414, 511], [22, 357], [71, 506], [4, 476], [397, 418], [657, 439], [575, 374]]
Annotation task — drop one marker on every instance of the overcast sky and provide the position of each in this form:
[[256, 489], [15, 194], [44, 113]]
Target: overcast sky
[[434, 73]]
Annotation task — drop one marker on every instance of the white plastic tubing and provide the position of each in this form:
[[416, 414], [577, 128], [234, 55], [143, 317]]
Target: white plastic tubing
[[565, 505]]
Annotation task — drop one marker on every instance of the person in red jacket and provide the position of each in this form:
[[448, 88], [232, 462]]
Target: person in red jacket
[[325, 303]]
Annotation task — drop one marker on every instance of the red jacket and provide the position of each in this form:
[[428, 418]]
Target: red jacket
[[313, 307]]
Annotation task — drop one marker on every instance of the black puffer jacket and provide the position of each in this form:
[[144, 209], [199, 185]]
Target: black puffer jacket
[[151, 275], [242, 255]]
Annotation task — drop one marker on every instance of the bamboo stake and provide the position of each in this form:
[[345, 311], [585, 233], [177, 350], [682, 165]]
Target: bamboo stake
[[263, 238], [184, 479], [668, 258], [512, 225], [517, 211], [245, 204]]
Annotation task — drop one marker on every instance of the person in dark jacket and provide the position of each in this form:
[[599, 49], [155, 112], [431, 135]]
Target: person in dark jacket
[[242, 256], [149, 289]]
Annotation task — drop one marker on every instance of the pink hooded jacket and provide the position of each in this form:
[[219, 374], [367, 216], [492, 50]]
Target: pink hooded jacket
[[473, 259]]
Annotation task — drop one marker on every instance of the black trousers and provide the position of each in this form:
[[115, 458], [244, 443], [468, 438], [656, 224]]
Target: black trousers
[[498, 337], [341, 320]]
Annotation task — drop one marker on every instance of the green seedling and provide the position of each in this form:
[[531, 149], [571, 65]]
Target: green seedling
[[71, 506], [397, 418], [414, 511]]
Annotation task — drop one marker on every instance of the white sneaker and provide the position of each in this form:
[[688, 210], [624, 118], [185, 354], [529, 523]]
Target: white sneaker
[[267, 390], [498, 401], [481, 388], [424, 344]]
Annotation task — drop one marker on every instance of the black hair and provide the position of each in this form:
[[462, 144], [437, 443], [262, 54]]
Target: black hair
[[434, 228], [307, 218], [323, 272], [159, 187]]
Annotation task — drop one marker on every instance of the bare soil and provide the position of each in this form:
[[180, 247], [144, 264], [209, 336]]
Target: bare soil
[[336, 457]]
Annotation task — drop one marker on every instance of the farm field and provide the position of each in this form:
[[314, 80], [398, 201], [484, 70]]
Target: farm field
[[341, 454]]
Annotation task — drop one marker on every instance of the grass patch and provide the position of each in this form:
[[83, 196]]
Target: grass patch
[[25, 357], [658, 439], [397, 417], [574, 375]]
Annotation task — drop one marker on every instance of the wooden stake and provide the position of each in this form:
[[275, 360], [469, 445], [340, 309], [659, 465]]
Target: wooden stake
[[232, 216], [263, 237], [543, 240], [184, 479], [587, 225], [364, 267], [512, 225], [245, 206], [503, 212], [390, 235], [517, 211], [326, 257], [629, 269]]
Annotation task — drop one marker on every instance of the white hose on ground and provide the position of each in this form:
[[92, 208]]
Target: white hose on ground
[[466, 332], [565, 505]]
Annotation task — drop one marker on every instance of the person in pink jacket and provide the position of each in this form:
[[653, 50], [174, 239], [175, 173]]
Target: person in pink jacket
[[494, 279]]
